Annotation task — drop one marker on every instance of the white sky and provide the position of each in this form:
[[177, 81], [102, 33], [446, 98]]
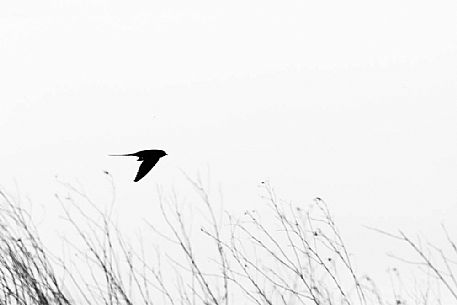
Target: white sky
[[352, 101]]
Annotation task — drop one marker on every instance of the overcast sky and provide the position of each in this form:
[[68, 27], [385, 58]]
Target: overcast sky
[[351, 101]]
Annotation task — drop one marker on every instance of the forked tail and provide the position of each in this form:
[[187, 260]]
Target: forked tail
[[122, 155]]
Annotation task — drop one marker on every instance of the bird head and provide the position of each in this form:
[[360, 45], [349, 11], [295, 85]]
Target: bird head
[[162, 153]]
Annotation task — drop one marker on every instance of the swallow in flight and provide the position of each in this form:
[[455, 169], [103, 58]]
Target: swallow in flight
[[149, 158]]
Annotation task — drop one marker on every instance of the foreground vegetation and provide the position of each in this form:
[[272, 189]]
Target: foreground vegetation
[[290, 255]]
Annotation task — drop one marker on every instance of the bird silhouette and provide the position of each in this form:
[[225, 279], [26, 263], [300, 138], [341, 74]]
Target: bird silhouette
[[149, 158]]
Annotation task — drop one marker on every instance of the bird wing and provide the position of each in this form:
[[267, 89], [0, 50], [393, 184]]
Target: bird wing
[[145, 167]]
